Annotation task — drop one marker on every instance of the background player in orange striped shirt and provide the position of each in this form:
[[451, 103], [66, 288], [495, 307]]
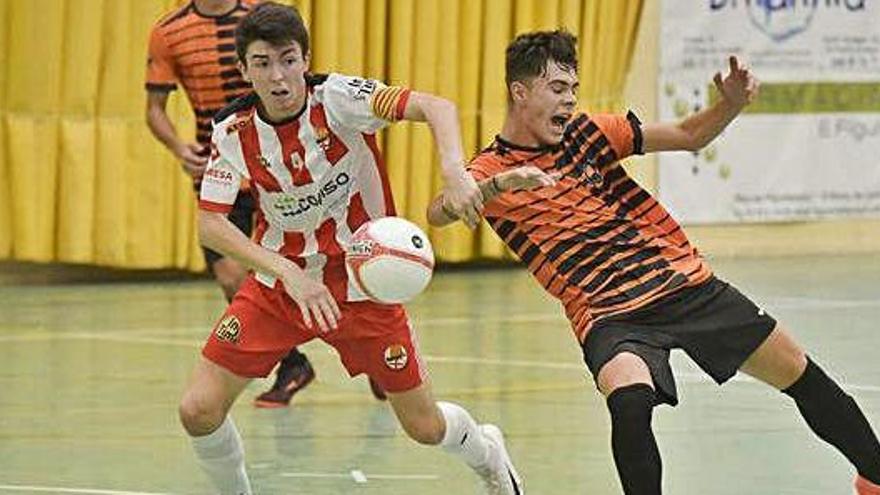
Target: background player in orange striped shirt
[[631, 283], [195, 47]]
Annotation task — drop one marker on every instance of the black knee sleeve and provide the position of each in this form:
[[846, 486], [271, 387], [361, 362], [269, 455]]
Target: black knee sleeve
[[632, 440], [836, 418]]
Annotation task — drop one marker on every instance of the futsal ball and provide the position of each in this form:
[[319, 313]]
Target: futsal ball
[[390, 260]]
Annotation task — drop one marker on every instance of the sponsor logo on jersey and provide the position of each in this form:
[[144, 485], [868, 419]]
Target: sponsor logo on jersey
[[396, 357], [219, 176], [238, 125], [229, 330], [291, 206]]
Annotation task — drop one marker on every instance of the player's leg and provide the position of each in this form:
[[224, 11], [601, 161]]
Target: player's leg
[[377, 340], [450, 426], [215, 439], [626, 382], [259, 326], [295, 371], [829, 411]]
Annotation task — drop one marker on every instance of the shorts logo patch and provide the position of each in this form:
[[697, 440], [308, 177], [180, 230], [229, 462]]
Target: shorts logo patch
[[396, 357], [228, 330]]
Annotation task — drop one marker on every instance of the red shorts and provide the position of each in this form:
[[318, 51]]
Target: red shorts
[[261, 325]]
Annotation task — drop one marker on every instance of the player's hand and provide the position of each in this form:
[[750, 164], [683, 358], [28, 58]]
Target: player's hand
[[462, 198], [522, 178], [740, 87], [314, 299], [194, 161]]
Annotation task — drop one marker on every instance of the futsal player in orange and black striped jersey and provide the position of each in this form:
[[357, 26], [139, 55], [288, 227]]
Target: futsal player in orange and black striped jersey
[[631, 283], [194, 46]]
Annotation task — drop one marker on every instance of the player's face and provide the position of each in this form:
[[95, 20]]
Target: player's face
[[278, 76], [548, 102]]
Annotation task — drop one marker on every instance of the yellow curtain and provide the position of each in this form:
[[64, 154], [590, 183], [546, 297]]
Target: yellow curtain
[[83, 181]]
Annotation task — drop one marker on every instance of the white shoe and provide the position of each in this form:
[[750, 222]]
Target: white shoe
[[499, 476]]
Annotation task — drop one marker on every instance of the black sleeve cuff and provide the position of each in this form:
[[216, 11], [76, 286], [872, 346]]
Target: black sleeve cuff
[[636, 124], [160, 88]]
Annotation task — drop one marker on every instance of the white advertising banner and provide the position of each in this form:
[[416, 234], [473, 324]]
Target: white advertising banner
[[809, 147]]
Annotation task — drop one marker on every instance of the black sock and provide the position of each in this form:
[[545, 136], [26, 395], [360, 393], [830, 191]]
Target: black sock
[[632, 441], [836, 418], [294, 359]]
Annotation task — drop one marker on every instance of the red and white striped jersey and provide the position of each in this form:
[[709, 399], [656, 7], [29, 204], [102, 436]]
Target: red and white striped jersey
[[315, 177]]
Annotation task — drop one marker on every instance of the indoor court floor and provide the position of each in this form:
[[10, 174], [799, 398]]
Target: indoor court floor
[[90, 376]]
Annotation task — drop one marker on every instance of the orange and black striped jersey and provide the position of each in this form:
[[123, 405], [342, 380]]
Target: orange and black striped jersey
[[198, 52], [596, 241]]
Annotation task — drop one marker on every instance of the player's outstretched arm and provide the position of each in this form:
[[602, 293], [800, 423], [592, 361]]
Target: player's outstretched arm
[[463, 196], [521, 178], [737, 89], [313, 298]]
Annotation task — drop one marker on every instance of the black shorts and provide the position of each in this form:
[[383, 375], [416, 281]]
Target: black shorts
[[242, 215], [713, 323]]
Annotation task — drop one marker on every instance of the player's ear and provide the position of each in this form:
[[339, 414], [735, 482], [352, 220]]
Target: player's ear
[[243, 69], [518, 91]]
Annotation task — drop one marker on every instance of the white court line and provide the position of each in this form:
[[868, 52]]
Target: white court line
[[360, 477], [316, 475], [684, 377], [405, 477], [513, 363], [61, 489]]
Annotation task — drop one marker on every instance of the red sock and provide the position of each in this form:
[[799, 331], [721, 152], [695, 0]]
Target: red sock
[[865, 487]]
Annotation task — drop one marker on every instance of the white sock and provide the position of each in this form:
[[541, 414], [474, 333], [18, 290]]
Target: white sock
[[221, 456], [463, 438]]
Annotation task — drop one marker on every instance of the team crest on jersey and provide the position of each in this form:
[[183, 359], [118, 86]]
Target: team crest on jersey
[[264, 162], [396, 357], [322, 136], [229, 330]]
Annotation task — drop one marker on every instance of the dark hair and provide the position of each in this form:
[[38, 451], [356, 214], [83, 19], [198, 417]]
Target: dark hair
[[273, 23], [528, 54]]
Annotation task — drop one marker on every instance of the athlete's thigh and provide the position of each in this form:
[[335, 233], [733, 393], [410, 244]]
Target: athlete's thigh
[[623, 370], [779, 361]]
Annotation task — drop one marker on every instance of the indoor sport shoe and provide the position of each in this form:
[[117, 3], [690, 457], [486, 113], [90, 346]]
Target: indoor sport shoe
[[290, 379], [499, 476], [865, 487]]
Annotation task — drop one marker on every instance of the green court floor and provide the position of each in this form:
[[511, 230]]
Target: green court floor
[[90, 376]]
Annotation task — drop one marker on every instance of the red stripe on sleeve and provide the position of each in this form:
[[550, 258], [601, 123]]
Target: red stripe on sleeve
[[214, 207]]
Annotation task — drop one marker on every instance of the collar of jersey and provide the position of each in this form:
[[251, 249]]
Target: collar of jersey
[[531, 149], [265, 118], [216, 16]]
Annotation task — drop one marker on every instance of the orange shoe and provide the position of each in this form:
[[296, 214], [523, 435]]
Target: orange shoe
[[865, 487]]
